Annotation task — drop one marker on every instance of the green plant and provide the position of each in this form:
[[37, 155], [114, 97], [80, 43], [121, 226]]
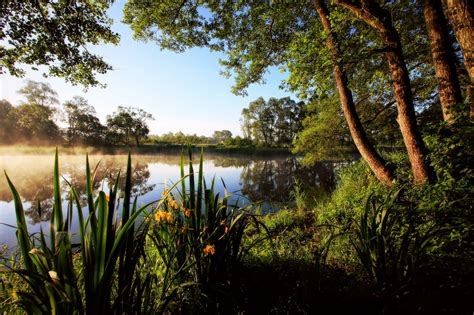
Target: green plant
[[390, 243], [197, 234], [55, 285], [299, 196]]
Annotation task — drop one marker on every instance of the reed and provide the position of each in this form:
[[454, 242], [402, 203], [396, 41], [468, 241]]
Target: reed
[[62, 280]]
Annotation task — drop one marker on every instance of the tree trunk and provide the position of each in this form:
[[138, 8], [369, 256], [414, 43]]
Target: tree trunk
[[368, 152], [461, 15], [380, 19], [443, 57]]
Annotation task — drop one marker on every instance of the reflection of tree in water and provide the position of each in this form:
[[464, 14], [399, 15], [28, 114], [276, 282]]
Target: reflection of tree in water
[[272, 180], [106, 173]]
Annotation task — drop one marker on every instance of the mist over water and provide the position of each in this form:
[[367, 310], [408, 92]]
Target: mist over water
[[268, 180]]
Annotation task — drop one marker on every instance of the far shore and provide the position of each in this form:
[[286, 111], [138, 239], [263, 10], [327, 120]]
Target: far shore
[[25, 149]]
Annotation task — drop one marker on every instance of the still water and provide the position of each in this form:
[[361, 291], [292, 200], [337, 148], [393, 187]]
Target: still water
[[268, 180]]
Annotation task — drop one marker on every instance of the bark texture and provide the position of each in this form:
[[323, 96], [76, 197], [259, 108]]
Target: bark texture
[[368, 152], [443, 57], [461, 15], [380, 19]]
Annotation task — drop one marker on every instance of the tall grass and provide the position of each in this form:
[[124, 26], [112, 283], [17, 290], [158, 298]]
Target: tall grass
[[54, 285], [198, 234], [390, 243], [187, 246]]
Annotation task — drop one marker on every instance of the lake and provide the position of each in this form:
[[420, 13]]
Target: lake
[[258, 179]]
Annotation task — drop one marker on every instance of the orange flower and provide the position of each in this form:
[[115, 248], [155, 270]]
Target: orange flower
[[174, 205], [187, 213], [163, 216], [209, 249], [107, 197]]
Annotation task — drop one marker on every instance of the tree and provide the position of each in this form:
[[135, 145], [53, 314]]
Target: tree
[[83, 125], [324, 134], [34, 117], [380, 19], [443, 57], [373, 159], [461, 15], [39, 93], [128, 123], [34, 123], [221, 136], [55, 34], [256, 35], [272, 122], [6, 125]]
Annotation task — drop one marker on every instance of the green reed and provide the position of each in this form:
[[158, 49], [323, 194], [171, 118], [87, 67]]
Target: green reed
[[197, 234], [390, 242], [188, 243], [55, 285]]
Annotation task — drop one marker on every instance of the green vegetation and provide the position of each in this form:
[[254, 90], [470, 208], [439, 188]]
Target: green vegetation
[[397, 229], [145, 259], [199, 252], [54, 35]]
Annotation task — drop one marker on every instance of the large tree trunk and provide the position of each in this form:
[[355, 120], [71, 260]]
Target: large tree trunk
[[368, 152], [380, 19], [443, 57], [461, 15]]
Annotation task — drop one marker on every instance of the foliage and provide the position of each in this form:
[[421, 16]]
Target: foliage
[[128, 123], [54, 34], [390, 244], [324, 134], [272, 123], [198, 235], [39, 93], [83, 126], [222, 136], [54, 283]]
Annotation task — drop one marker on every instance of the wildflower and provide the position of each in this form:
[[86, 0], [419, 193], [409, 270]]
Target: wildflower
[[107, 197], [14, 295], [163, 216], [209, 249], [187, 213], [174, 205]]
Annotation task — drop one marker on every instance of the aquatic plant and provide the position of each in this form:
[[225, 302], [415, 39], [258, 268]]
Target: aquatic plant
[[62, 280]]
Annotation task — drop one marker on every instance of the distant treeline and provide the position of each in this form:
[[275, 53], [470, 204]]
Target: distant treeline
[[40, 119], [37, 119]]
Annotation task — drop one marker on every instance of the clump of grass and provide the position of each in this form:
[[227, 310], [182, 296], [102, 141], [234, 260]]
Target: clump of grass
[[188, 245], [53, 283], [197, 234], [390, 244]]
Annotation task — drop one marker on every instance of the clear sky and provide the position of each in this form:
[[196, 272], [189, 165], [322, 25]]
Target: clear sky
[[183, 91]]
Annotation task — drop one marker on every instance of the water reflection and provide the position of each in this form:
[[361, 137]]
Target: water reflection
[[259, 179], [271, 180]]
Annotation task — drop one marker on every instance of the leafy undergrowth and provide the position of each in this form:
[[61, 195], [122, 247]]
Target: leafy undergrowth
[[298, 270]]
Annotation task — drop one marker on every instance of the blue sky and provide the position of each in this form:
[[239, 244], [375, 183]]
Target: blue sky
[[183, 91]]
